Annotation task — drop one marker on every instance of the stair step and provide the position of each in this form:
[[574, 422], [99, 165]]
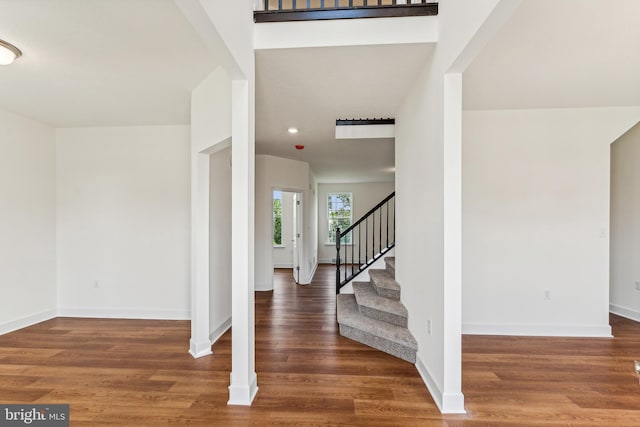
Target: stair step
[[390, 262], [384, 283], [391, 339], [376, 307]]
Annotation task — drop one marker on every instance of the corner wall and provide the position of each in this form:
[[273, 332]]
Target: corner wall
[[27, 222], [625, 225], [428, 193], [123, 222]]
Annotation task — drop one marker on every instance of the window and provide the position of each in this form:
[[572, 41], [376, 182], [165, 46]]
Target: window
[[277, 218], [339, 214]]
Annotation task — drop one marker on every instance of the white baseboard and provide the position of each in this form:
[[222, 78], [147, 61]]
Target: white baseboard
[[219, 331], [199, 349], [263, 287], [447, 403], [629, 313], [23, 322], [539, 330], [282, 265], [243, 394], [125, 313], [309, 278]]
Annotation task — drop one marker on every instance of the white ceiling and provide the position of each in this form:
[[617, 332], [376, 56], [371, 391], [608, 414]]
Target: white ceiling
[[560, 53], [134, 62], [310, 88], [101, 62]]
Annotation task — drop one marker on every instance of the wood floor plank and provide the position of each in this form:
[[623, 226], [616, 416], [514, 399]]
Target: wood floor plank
[[138, 373]]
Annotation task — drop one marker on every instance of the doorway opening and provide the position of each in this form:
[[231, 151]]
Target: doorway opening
[[287, 231]]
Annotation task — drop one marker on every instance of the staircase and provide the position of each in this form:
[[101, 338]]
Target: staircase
[[374, 315]]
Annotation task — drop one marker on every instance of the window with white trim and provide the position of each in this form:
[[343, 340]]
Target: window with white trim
[[277, 218], [339, 214]]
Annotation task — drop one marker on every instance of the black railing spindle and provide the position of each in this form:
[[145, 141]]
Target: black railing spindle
[[338, 279], [387, 223], [359, 246], [373, 234]]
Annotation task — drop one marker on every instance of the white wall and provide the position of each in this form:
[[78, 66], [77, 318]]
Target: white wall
[[427, 224], [27, 222], [283, 254], [123, 222], [211, 111], [536, 220], [365, 197], [220, 243], [290, 175], [625, 225]]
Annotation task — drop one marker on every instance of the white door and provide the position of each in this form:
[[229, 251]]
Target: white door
[[297, 235]]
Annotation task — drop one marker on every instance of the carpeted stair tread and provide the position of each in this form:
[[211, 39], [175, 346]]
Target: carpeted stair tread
[[378, 334], [373, 305], [390, 262], [384, 284]]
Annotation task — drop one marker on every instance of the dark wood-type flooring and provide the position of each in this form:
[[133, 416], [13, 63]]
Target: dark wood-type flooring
[[138, 372]]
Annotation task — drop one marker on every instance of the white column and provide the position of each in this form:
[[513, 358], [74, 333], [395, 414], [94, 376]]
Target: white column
[[244, 385], [200, 343], [452, 398]]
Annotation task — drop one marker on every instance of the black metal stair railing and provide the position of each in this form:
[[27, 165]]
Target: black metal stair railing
[[311, 10], [334, 4], [365, 241]]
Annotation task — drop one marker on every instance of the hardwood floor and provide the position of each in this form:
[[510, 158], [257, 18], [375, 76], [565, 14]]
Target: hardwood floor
[[138, 372]]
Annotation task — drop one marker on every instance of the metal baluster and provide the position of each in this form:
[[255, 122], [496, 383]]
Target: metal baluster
[[338, 260], [380, 231], [373, 235], [389, 202], [279, 4], [352, 259], [294, 6], [366, 241], [359, 246]]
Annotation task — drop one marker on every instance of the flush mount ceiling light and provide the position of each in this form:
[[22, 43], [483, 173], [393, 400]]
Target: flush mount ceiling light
[[8, 53], [292, 130]]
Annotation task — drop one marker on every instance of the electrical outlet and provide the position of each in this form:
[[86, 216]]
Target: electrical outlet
[[429, 327], [637, 285], [547, 294]]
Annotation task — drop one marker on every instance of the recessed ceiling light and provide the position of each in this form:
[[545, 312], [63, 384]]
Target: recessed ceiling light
[[292, 130], [8, 53]]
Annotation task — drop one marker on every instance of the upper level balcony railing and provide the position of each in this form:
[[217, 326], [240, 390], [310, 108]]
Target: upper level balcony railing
[[305, 10]]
